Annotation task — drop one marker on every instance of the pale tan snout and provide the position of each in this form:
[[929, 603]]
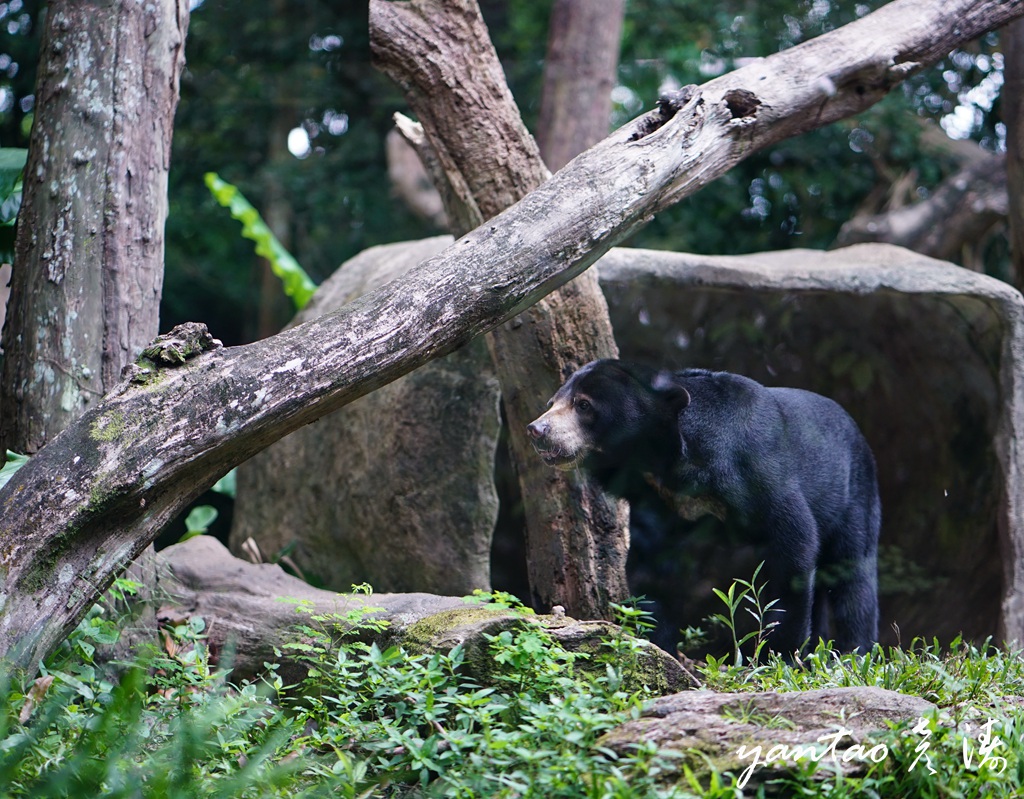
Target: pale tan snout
[[558, 437]]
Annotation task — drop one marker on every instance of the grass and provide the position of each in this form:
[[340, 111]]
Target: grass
[[371, 721]]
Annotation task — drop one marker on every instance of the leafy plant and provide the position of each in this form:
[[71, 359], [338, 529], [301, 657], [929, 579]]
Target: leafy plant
[[226, 484], [371, 720], [633, 617], [391, 720], [14, 462], [297, 284], [167, 726], [199, 520], [200, 517], [12, 165], [749, 596]]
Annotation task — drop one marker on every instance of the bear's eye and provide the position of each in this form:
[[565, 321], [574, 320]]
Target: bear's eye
[[582, 405]]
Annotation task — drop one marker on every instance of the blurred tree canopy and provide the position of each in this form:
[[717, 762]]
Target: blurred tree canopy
[[280, 99], [260, 78], [19, 52], [798, 193]]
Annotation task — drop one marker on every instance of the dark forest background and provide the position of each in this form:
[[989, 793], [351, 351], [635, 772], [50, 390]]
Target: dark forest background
[[281, 99]]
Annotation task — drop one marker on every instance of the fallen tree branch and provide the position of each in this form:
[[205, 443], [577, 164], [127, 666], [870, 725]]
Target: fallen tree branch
[[93, 498], [950, 223], [253, 610]]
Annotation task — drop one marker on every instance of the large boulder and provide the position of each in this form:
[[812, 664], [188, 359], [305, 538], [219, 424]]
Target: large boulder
[[760, 737], [395, 489], [926, 356]]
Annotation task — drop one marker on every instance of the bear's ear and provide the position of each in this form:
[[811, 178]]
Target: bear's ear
[[670, 391]]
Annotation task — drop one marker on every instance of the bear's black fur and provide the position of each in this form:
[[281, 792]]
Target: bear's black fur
[[785, 468]]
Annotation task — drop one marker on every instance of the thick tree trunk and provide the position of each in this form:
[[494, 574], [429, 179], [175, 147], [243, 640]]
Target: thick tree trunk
[[441, 54], [1012, 100], [77, 513], [88, 269], [579, 74]]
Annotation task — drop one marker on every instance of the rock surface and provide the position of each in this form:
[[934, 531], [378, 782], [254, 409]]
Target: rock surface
[[395, 489], [762, 735]]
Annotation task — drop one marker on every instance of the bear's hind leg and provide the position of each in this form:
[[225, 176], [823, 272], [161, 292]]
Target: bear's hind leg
[[854, 602]]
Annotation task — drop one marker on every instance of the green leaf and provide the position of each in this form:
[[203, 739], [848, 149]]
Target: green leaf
[[199, 519], [14, 462], [12, 163], [297, 284], [226, 485]]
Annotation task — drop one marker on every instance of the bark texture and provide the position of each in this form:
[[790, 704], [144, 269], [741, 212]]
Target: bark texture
[[1012, 99], [77, 513], [246, 611], [579, 74], [88, 269], [441, 55]]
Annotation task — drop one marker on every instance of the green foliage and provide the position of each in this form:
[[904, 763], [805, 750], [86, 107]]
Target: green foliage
[[167, 727], [633, 618], [370, 720], [498, 600], [797, 193], [200, 517], [257, 72], [12, 165], [14, 462], [367, 721], [227, 484], [972, 685], [19, 56], [749, 596], [297, 284], [416, 724], [199, 520]]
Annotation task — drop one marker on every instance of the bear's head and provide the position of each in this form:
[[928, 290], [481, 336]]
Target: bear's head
[[606, 414]]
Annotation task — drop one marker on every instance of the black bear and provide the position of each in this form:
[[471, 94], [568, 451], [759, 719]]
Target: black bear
[[782, 467]]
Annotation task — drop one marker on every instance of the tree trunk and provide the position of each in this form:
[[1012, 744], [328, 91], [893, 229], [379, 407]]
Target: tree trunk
[[88, 269], [441, 54], [77, 513], [579, 74], [1013, 115]]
